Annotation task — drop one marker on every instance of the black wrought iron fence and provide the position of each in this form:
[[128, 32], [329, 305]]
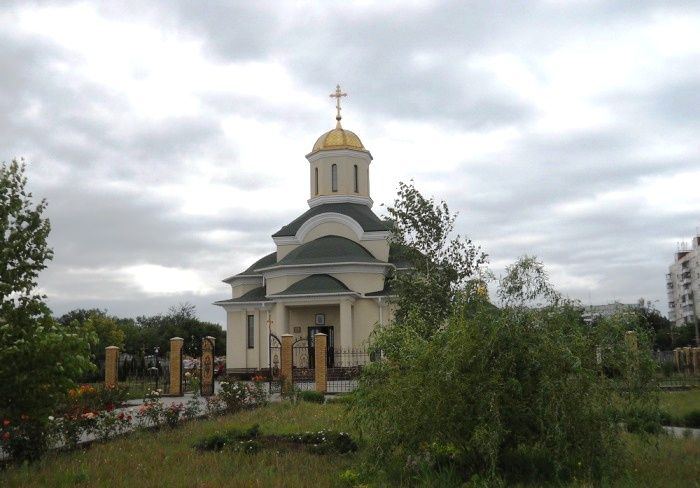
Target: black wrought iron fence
[[143, 374], [302, 366], [344, 371], [275, 354]]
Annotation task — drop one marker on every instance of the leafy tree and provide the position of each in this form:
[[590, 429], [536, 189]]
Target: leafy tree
[[95, 321], [181, 321], [39, 357], [506, 395], [440, 263]]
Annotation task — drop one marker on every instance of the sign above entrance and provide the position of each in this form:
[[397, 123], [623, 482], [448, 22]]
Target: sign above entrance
[[320, 319]]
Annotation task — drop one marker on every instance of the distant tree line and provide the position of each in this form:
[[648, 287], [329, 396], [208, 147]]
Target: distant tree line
[[665, 335], [140, 336]]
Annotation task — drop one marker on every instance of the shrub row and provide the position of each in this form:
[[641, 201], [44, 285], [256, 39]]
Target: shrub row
[[690, 419]]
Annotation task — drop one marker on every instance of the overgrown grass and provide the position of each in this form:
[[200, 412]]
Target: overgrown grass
[[680, 403], [166, 458]]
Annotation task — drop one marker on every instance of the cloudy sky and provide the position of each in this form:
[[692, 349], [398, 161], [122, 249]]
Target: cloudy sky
[[169, 137]]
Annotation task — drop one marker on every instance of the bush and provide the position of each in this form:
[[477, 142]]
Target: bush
[[513, 394], [237, 395], [151, 413], [312, 396], [692, 419]]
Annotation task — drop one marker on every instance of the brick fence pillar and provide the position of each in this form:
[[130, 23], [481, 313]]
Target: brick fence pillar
[[696, 360], [176, 344], [207, 366], [688, 354], [320, 361], [111, 366], [286, 362], [677, 359]]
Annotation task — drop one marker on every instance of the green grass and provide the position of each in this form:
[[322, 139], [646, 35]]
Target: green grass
[[680, 403], [166, 458]]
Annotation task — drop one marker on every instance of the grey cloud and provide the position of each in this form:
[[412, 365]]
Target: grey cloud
[[407, 64]]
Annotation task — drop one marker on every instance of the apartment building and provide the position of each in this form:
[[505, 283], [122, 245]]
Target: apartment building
[[683, 284]]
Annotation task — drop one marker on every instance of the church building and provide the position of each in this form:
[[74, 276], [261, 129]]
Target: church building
[[328, 268]]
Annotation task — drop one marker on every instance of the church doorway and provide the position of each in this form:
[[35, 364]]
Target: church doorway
[[324, 329]]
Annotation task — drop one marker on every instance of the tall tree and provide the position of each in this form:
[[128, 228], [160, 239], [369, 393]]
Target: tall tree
[[440, 262], [39, 358]]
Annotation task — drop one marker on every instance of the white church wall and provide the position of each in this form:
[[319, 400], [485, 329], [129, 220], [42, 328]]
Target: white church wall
[[235, 340], [240, 290], [361, 282], [365, 319]]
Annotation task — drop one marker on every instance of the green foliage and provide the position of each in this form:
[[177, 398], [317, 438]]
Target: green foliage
[[180, 321], [439, 262], [237, 395], [96, 322], [219, 440], [39, 358], [144, 334], [252, 440], [510, 394], [312, 396]]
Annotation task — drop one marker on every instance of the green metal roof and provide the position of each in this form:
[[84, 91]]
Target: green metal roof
[[328, 250], [362, 214], [254, 295], [267, 260], [315, 285]]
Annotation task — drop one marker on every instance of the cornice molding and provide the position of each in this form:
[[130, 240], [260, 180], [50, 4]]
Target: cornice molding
[[236, 280], [323, 199], [334, 153]]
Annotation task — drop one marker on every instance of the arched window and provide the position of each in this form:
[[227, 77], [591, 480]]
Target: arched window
[[334, 177], [356, 182], [316, 180]]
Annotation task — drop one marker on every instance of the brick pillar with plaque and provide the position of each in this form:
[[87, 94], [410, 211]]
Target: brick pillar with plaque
[[207, 366]]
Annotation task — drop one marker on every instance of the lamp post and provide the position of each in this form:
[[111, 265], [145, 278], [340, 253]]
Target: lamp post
[[155, 367]]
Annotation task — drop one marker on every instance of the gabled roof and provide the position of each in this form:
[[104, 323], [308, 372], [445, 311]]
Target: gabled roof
[[254, 295], [362, 214], [267, 260], [318, 284], [328, 250]]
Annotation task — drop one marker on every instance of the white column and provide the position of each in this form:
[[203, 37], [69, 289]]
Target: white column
[[263, 339], [280, 319], [345, 325]]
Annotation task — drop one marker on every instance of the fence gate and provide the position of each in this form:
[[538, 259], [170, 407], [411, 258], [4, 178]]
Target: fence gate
[[302, 365], [274, 378]]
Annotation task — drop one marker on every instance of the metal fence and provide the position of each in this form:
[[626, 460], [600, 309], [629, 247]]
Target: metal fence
[[345, 369], [302, 365]]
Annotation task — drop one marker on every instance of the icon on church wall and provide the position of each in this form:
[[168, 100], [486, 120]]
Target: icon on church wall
[[297, 330], [320, 319]]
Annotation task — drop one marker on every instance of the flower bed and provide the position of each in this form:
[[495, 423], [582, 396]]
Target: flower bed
[[252, 440]]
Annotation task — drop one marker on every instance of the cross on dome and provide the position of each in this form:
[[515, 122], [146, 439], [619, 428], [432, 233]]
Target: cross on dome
[[337, 95]]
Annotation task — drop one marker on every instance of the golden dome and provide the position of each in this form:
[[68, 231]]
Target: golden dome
[[338, 138]]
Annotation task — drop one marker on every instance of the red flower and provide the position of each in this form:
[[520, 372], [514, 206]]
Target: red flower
[[109, 407], [6, 422], [5, 436]]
